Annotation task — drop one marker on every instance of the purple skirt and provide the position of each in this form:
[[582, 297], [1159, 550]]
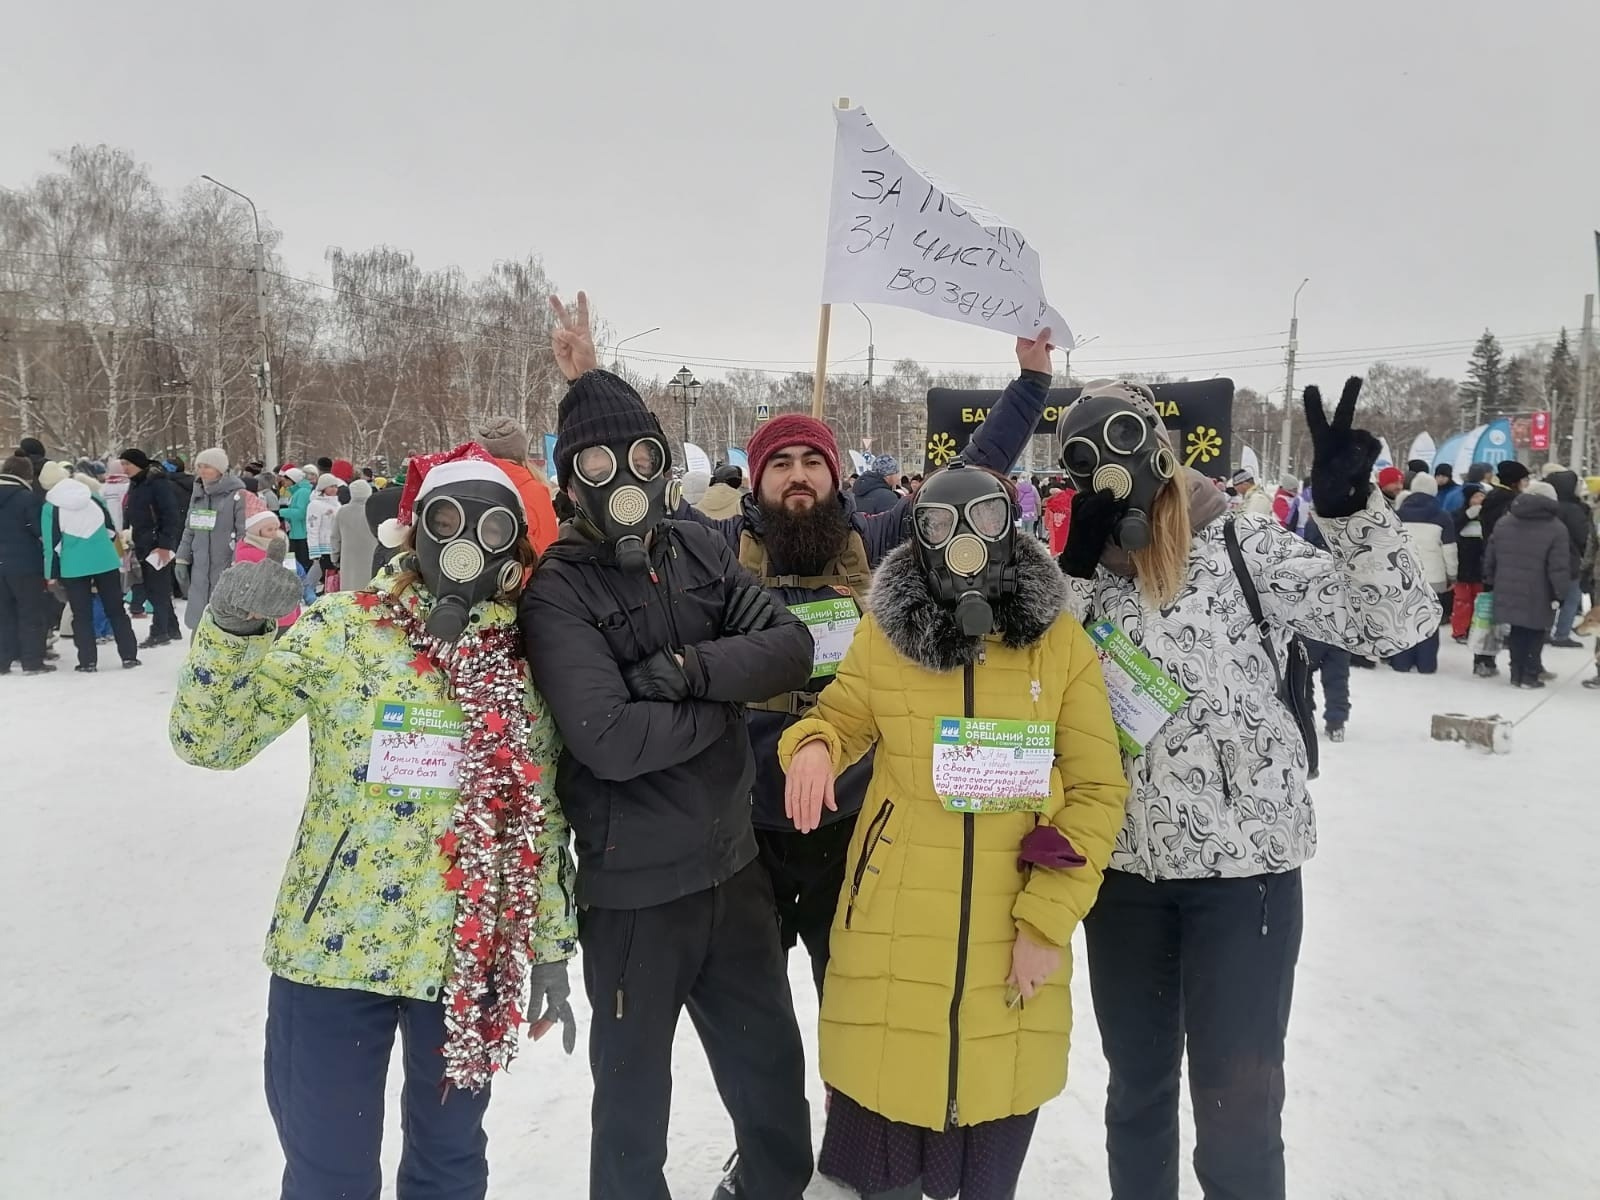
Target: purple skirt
[[871, 1153]]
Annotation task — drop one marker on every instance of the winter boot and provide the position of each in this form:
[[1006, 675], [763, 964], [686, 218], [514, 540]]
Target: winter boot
[[1593, 682], [129, 664], [43, 669], [1568, 643], [1531, 682], [154, 643], [1485, 669], [1336, 733], [86, 670]]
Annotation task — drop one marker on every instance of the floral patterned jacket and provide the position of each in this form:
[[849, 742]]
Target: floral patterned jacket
[[1221, 789], [363, 902]]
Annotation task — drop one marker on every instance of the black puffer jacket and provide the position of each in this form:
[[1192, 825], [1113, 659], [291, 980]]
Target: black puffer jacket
[[1527, 563], [1496, 504], [21, 551], [873, 494], [1574, 514], [154, 512], [657, 794]]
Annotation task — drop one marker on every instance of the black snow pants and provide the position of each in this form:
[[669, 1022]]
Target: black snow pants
[[715, 952], [1210, 962]]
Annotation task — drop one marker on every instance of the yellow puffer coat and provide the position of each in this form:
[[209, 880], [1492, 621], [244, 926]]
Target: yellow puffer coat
[[895, 1035]]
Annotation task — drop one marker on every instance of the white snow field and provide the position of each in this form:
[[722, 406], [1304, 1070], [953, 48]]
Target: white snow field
[[1443, 1045]]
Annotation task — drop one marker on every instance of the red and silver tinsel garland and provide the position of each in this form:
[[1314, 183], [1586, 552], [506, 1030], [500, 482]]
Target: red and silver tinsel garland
[[490, 846]]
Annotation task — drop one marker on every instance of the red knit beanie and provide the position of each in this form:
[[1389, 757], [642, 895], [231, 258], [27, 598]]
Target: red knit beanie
[[791, 429]]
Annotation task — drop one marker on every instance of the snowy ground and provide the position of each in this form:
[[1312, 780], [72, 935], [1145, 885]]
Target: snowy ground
[[1443, 1042]]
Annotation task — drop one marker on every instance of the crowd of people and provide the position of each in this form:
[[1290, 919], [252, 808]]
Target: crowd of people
[[918, 728]]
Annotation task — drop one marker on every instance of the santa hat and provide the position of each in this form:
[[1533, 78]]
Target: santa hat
[[429, 471], [344, 469]]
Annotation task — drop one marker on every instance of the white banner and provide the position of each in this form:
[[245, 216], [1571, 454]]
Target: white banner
[[896, 235], [1423, 448], [858, 461], [695, 459], [1251, 463]]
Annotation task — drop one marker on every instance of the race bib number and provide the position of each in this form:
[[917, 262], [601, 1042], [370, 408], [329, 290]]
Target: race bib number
[[832, 624], [203, 518], [416, 752], [982, 766], [1143, 697]]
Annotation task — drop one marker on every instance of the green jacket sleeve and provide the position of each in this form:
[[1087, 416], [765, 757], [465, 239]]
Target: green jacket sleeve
[[555, 928], [237, 694]]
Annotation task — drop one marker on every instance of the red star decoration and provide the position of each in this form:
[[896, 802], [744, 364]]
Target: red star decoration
[[502, 753], [421, 664], [515, 1015], [448, 843], [531, 771], [461, 1003], [476, 889], [454, 879], [482, 951], [530, 859], [497, 803], [470, 929], [368, 600], [494, 722]]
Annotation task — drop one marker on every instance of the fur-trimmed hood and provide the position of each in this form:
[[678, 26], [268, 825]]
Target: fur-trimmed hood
[[925, 631]]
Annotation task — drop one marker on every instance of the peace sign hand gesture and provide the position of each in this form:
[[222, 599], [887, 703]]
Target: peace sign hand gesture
[[571, 339], [1342, 457]]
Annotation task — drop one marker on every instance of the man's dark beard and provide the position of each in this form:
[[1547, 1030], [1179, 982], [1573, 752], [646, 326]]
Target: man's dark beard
[[804, 541]]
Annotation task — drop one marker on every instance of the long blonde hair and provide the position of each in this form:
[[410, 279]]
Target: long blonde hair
[[1161, 567]]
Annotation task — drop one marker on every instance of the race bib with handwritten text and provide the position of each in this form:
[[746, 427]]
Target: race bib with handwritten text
[[416, 752], [983, 766], [833, 625]]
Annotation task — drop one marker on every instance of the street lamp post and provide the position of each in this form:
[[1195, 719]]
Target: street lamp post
[[1288, 386], [269, 410], [616, 351], [866, 397], [685, 389]]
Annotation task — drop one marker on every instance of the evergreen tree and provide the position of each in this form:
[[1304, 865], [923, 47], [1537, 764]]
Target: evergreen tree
[[1562, 397], [1483, 393]]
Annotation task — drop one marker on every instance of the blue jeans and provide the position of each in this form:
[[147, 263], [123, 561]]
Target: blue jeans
[[1568, 616], [327, 1058]]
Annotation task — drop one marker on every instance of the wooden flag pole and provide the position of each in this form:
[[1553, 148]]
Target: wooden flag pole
[[819, 384]]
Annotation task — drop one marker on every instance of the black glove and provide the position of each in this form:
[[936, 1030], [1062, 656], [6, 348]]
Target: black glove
[[659, 677], [1342, 458], [750, 609], [1094, 518]]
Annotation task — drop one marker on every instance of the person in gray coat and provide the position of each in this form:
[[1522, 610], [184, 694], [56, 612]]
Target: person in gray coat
[[1528, 568], [214, 526], [353, 542]]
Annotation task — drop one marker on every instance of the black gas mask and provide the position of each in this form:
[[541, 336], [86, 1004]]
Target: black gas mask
[[1111, 442], [964, 525], [623, 494], [466, 538]]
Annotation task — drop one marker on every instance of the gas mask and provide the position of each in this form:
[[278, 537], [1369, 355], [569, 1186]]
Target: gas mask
[[964, 526], [466, 538], [1109, 443], [623, 494]]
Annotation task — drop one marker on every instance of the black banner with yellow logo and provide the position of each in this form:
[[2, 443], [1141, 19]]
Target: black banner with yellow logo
[[1199, 416]]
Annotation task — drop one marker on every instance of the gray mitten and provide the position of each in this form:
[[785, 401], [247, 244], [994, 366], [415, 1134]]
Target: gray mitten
[[250, 597], [548, 986], [180, 571]]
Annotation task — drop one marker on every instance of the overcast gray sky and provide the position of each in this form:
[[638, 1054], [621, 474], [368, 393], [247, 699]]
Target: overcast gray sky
[[1180, 166]]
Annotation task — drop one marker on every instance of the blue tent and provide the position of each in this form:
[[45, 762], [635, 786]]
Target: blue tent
[[1495, 444]]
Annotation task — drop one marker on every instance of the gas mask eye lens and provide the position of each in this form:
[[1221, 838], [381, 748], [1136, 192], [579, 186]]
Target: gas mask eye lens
[[1080, 457], [1124, 432], [1164, 463], [596, 465], [497, 529], [935, 524], [647, 459], [443, 519], [991, 517]]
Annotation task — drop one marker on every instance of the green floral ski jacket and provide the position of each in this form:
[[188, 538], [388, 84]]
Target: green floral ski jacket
[[363, 902]]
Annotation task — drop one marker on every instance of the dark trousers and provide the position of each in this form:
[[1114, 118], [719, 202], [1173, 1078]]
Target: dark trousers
[[24, 607], [1422, 658], [1210, 961], [1332, 663], [302, 551], [327, 1059], [806, 871], [158, 587], [717, 953], [1527, 653], [80, 595]]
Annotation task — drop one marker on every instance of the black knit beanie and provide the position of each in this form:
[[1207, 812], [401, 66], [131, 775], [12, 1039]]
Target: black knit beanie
[[1511, 473], [601, 410], [138, 458]]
